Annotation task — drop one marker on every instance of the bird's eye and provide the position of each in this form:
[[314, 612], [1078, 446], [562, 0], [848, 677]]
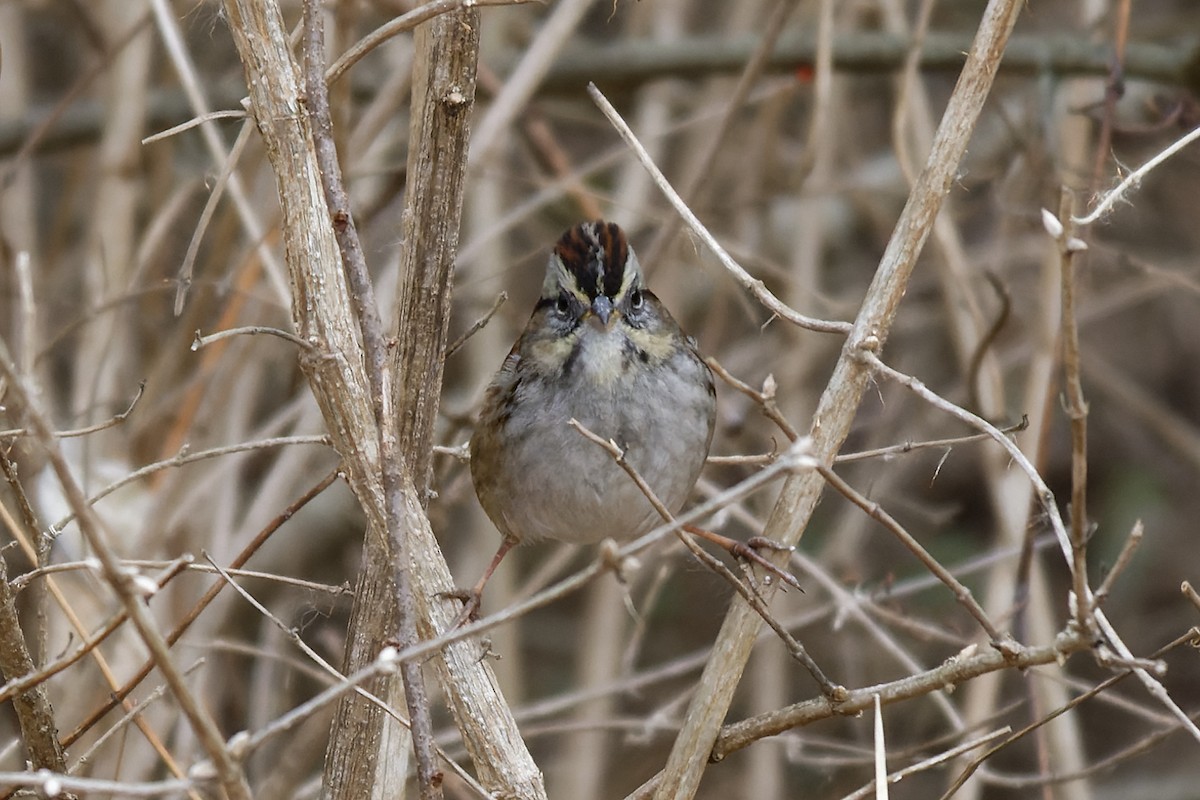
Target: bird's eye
[[636, 300], [563, 305]]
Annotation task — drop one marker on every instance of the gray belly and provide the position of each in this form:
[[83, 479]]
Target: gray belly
[[571, 489]]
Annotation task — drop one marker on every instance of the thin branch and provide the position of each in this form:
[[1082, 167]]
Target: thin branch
[[970, 663], [932, 761], [753, 285], [111, 422], [935, 444], [765, 399], [1123, 558], [183, 458], [1134, 178], [191, 123], [402, 24], [215, 194], [184, 565], [1077, 412], [53, 784], [1190, 593], [477, 325], [201, 340]]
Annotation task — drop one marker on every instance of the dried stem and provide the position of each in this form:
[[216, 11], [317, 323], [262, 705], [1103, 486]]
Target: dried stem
[[1077, 412], [358, 278]]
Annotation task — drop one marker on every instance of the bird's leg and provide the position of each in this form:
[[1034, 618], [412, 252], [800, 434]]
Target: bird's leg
[[472, 597], [748, 551]]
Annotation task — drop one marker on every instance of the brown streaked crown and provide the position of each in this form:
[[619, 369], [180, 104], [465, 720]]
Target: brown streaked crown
[[596, 254]]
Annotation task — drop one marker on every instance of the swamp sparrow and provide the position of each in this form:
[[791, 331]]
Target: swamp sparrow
[[601, 349]]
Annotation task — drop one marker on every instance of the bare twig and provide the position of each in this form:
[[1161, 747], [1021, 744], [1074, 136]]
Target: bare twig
[[1077, 411], [53, 784], [187, 266], [185, 457], [1133, 179], [477, 325], [191, 123], [111, 422], [1123, 558], [935, 444], [402, 24], [1191, 594], [765, 399], [755, 286], [933, 761], [249, 330], [183, 564], [970, 663]]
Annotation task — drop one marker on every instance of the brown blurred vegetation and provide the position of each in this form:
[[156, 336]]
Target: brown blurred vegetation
[[804, 195]]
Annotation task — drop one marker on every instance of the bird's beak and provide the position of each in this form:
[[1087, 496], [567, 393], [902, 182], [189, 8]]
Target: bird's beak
[[602, 310]]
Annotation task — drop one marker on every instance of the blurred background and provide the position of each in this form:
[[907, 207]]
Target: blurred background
[[111, 258]]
